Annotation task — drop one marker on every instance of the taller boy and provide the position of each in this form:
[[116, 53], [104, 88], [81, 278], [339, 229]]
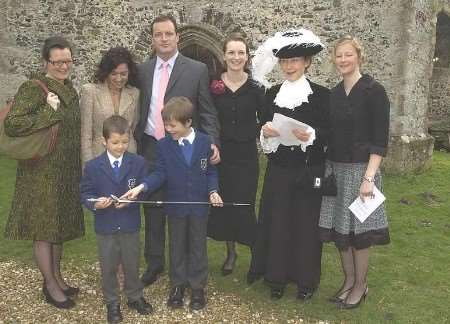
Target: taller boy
[[168, 74]]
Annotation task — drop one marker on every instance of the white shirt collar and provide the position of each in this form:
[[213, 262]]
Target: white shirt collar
[[190, 138], [171, 61], [293, 94], [112, 159]]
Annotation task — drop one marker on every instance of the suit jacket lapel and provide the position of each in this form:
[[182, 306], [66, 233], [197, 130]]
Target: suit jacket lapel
[[125, 100], [177, 151], [125, 167], [106, 167], [197, 144], [149, 72], [104, 98], [177, 71]]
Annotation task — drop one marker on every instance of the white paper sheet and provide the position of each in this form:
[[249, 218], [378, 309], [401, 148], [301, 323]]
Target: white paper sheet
[[362, 210], [284, 125]]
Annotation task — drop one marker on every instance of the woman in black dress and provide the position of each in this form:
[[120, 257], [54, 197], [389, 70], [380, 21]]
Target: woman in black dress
[[239, 101], [359, 115], [288, 246]]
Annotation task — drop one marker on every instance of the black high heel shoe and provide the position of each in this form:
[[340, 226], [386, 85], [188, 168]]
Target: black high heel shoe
[[344, 305], [337, 297], [67, 304], [226, 271]]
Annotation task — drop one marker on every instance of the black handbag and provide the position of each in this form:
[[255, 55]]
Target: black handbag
[[312, 179]]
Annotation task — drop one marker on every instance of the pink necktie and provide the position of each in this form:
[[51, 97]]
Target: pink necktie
[[163, 81]]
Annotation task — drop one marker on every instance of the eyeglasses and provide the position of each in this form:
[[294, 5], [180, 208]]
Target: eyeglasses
[[60, 63]]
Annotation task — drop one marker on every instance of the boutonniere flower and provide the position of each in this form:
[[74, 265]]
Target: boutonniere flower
[[217, 87]]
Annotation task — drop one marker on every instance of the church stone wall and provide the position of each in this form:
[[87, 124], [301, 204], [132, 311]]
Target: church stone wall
[[397, 36]]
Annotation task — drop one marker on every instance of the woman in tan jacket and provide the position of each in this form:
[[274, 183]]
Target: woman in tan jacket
[[115, 93]]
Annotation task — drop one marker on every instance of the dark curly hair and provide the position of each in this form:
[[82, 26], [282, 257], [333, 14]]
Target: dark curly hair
[[112, 59]]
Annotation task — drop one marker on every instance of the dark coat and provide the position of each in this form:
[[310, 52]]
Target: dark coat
[[99, 181], [46, 204], [184, 182]]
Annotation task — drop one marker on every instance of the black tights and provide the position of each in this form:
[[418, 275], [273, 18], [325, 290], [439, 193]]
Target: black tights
[[48, 259]]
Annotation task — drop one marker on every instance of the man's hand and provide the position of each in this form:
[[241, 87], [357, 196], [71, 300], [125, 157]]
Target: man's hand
[[215, 199], [269, 131], [215, 157], [103, 203]]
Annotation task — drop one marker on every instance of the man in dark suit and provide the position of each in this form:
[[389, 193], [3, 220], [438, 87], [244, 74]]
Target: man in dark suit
[[168, 74]]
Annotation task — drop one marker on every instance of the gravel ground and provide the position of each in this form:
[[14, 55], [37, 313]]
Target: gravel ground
[[21, 301]]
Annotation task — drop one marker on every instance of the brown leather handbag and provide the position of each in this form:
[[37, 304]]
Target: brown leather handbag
[[29, 147]]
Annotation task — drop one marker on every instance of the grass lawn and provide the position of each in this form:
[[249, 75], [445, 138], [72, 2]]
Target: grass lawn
[[408, 279]]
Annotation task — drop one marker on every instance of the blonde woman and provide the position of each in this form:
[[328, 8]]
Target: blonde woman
[[359, 114]]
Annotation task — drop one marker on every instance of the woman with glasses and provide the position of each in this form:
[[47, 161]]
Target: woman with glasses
[[114, 93], [46, 205], [287, 247]]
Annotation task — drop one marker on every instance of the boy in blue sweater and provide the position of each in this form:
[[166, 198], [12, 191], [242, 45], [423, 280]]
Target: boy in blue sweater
[[116, 225], [183, 166]]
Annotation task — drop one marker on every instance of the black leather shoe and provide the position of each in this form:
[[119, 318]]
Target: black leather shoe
[[141, 306], [198, 300], [113, 314], [176, 296], [276, 293], [66, 304], [71, 291], [252, 277], [304, 295], [150, 276]]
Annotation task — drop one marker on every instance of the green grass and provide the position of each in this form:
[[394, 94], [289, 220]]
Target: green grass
[[408, 279]]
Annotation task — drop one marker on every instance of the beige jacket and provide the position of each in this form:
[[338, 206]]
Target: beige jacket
[[96, 105]]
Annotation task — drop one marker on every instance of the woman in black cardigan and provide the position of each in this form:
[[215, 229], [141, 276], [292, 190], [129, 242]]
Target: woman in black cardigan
[[359, 115], [239, 101], [288, 246]]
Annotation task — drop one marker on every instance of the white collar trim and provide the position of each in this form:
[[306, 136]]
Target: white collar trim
[[293, 94]]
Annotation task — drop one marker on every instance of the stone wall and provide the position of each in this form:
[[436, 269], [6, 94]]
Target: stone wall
[[398, 37]]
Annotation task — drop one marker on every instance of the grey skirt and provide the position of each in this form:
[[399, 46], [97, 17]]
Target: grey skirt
[[338, 224]]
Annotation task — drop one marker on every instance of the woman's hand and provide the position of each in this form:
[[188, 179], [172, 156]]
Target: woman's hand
[[269, 131], [53, 100], [301, 135], [103, 203], [366, 190], [215, 199]]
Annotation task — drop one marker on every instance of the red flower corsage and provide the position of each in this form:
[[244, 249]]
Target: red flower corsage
[[217, 87]]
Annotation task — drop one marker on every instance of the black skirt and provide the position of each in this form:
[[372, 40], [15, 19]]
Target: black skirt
[[238, 181], [287, 247]]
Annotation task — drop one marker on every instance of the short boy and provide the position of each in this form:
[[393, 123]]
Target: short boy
[[183, 165], [116, 225]]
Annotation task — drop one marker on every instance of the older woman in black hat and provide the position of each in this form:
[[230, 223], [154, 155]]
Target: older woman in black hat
[[288, 247]]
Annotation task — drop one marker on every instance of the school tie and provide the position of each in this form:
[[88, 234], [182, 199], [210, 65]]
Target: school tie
[[116, 169], [187, 151], [163, 81]]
